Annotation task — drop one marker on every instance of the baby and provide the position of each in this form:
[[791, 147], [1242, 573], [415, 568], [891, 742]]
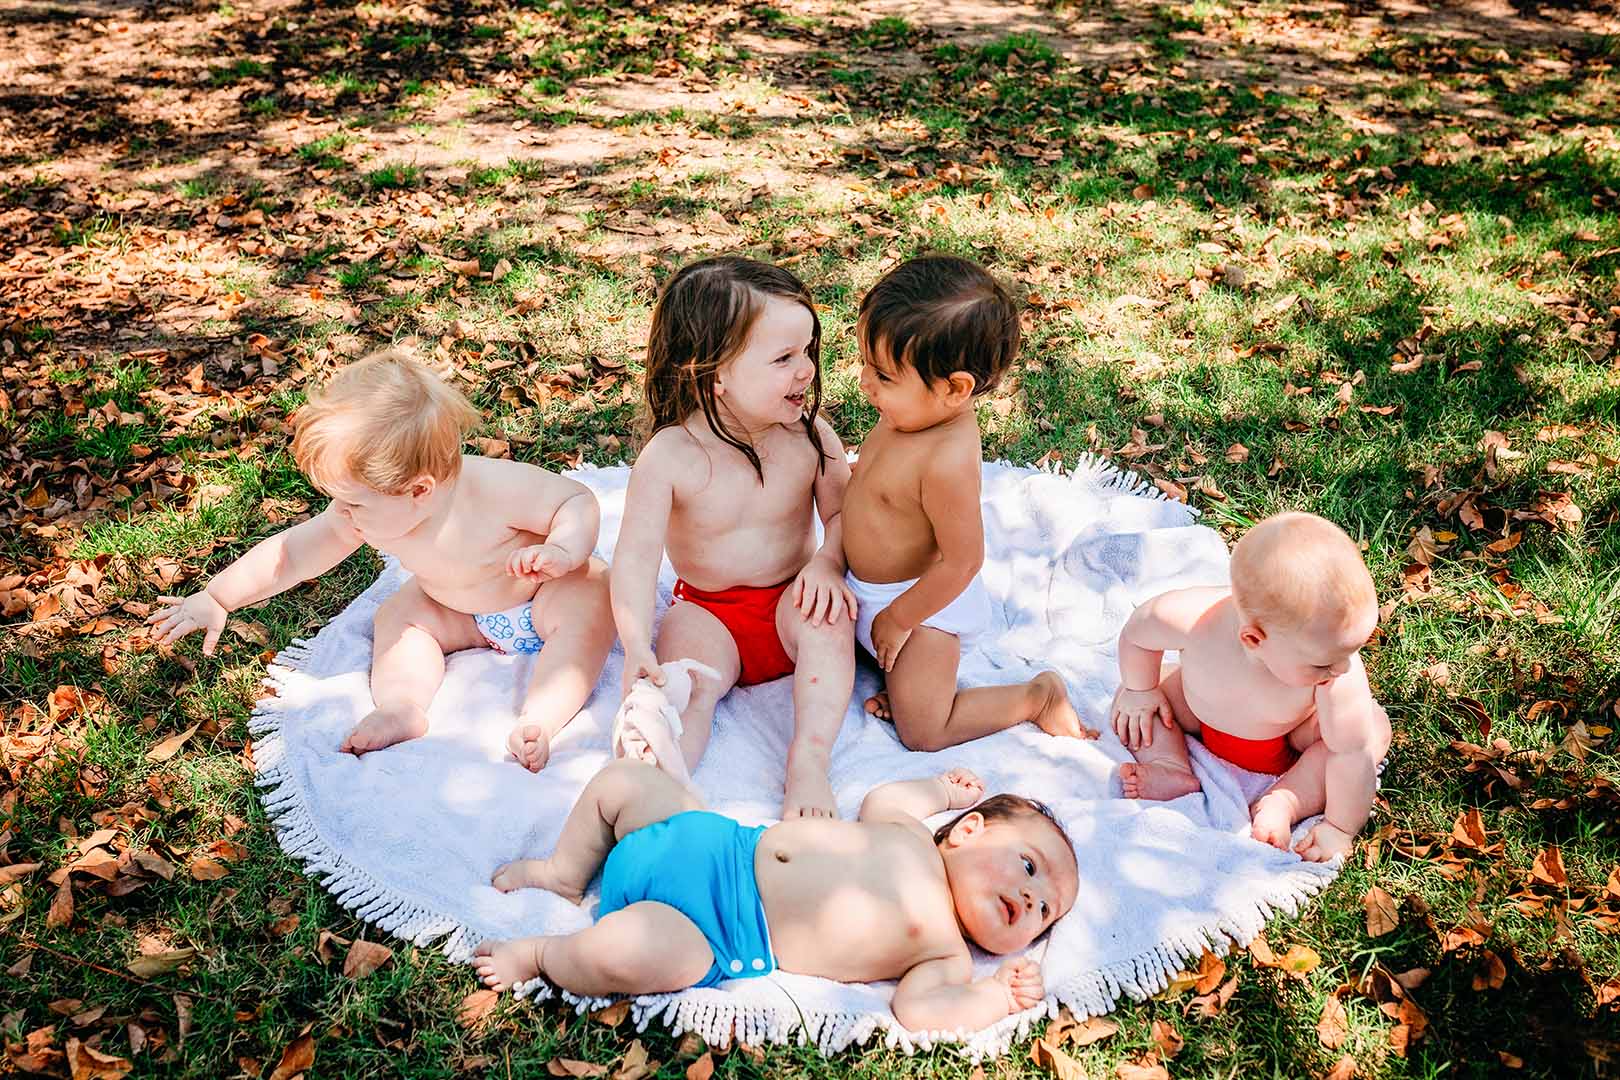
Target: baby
[[736, 469], [500, 552], [691, 898], [934, 334], [1270, 679]]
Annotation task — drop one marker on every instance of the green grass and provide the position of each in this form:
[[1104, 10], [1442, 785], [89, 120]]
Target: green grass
[[1206, 260]]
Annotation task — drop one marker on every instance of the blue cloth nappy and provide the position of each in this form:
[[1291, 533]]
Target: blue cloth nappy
[[510, 631], [701, 864]]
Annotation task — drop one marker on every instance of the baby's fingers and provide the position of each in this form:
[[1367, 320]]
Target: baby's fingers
[[850, 603], [210, 639]]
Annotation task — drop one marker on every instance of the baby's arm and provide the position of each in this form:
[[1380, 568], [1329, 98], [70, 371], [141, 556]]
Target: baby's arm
[[941, 994], [950, 500], [271, 566], [913, 800], [562, 510], [1164, 622], [820, 592], [636, 559], [1356, 732]]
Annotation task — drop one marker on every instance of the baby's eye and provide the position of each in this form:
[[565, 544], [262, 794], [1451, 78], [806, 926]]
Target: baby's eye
[[1044, 910], [882, 377], [1029, 866]]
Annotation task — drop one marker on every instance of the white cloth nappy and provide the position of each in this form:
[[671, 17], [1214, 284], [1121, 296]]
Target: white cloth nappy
[[510, 631], [967, 616]]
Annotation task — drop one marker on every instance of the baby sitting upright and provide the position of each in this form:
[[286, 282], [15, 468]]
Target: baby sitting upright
[[500, 553], [691, 898], [1270, 679]]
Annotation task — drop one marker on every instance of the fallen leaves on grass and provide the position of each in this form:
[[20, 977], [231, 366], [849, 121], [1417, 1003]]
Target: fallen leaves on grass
[[296, 1058], [473, 1012], [1382, 914], [571, 1067], [87, 1063], [166, 749], [364, 957], [1333, 1028]]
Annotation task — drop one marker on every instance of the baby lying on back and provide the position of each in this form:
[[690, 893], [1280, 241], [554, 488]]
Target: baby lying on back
[[1270, 678]]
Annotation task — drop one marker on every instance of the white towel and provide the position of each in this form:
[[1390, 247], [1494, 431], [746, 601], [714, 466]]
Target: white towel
[[407, 837]]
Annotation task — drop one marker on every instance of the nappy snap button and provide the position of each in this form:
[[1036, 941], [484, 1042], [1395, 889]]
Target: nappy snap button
[[759, 965], [736, 965]]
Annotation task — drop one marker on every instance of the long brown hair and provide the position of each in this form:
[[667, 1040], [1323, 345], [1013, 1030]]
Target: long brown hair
[[701, 321]]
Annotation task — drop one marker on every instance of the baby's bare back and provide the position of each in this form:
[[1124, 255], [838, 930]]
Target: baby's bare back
[[725, 527], [461, 560], [887, 532], [853, 901]]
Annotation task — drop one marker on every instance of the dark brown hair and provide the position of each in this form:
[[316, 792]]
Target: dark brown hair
[[702, 321], [940, 314], [1005, 807]]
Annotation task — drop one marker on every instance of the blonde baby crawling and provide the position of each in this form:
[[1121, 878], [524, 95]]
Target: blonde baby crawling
[[736, 469], [935, 333], [500, 554], [691, 898], [1270, 679]]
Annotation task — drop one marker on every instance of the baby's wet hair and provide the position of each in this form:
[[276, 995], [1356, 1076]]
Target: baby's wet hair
[[700, 323], [940, 314], [1006, 807]]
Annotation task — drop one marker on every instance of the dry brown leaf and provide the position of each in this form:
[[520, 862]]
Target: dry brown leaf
[[1343, 1069], [1334, 1026], [166, 749], [364, 958], [88, 1063], [1237, 453], [571, 1067], [249, 631], [1299, 960], [1382, 914], [203, 868], [160, 963], [1146, 1069], [1211, 970], [1423, 547], [1055, 1061], [613, 1015], [1548, 868], [297, 1058], [475, 1008], [61, 912], [702, 1068], [635, 1065], [1167, 1038], [1091, 1029]]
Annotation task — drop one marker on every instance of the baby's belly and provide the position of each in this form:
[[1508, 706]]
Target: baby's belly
[[715, 563], [484, 596], [1254, 715]]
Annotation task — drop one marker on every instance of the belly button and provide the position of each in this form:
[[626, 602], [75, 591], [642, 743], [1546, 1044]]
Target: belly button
[[781, 856]]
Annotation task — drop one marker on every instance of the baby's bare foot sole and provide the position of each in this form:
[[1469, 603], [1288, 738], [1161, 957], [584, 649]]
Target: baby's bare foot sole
[[1273, 820], [534, 874], [878, 705], [384, 727], [504, 964], [530, 744], [809, 793], [1056, 715], [1156, 783]]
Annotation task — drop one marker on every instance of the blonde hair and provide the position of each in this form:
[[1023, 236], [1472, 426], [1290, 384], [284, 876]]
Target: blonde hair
[[382, 421], [1293, 570]]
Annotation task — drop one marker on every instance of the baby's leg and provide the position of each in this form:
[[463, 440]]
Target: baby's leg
[[645, 948], [412, 634], [1163, 771], [688, 632], [930, 713], [573, 617], [623, 797], [1301, 792], [823, 677]]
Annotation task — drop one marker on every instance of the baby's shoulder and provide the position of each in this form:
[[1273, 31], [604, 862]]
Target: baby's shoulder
[[671, 450]]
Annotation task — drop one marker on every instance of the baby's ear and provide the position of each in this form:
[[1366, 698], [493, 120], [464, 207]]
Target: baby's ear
[[960, 387], [966, 829], [1252, 634]]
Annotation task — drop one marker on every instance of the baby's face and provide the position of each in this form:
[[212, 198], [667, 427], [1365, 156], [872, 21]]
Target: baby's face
[[375, 516], [767, 382], [1317, 653], [1010, 880], [901, 395]]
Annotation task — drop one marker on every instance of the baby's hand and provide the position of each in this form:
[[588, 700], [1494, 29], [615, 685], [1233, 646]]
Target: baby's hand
[[641, 663], [543, 561], [962, 788], [179, 617], [888, 639], [1021, 977], [821, 595], [1134, 712], [1324, 842]]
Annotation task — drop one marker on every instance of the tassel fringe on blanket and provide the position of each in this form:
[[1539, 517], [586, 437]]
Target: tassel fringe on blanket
[[407, 838]]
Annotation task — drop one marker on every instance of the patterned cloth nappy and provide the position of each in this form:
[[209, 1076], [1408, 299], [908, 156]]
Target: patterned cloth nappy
[[510, 631]]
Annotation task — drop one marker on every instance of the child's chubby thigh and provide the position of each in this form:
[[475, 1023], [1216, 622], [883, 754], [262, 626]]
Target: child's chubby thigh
[[442, 597], [850, 901]]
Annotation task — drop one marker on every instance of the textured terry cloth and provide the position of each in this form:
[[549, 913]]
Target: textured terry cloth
[[1271, 756], [967, 616], [701, 864], [510, 631], [749, 613], [408, 837]]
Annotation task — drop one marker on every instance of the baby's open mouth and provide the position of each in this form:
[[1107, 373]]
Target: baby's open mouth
[[797, 399], [1011, 910]]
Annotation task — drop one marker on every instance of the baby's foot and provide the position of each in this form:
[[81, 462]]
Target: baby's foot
[[1156, 781], [385, 727], [878, 705], [535, 874], [809, 792], [502, 964], [530, 744], [1272, 818], [1054, 714]]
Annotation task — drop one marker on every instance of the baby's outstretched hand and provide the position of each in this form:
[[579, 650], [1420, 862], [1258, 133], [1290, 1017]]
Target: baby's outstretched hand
[[962, 788], [1134, 714], [1324, 842], [1021, 977], [180, 616], [821, 594], [544, 561]]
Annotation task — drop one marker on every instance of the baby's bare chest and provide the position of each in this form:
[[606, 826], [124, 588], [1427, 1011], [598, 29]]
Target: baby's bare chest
[[462, 551], [732, 494], [1228, 690]]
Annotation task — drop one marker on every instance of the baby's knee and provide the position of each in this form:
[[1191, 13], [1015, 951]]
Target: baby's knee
[[925, 734], [1382, 734]]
